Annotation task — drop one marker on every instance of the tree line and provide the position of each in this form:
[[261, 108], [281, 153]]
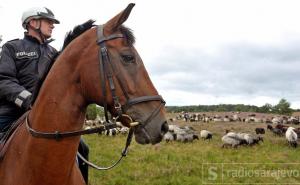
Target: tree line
[[283, 107]]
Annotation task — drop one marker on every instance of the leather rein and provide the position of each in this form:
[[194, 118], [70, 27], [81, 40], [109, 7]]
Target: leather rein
[[106, 75]]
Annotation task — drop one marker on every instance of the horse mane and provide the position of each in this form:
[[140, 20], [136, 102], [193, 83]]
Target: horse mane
[[77, 30], [128, 34], [70, 36]]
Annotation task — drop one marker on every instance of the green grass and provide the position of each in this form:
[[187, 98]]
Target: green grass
[[195, 163]]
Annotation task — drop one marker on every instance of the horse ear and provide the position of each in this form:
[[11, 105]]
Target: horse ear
[[114, 23]]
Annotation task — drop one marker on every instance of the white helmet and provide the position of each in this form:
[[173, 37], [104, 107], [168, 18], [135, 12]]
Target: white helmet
[[37, 13]]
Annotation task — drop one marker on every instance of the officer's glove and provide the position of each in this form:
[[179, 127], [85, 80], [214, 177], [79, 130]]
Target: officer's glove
[[26, 105], [24, 100]]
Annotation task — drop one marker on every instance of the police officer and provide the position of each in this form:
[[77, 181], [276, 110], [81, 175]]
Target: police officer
[[23, 63]]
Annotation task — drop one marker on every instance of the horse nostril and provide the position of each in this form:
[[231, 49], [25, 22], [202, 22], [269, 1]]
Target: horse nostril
[[164, 127]]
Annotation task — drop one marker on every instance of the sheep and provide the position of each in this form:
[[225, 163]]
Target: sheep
[[232, 139], [185, 137], [259, 130], [297, 130], [124, 130], [169, 136], [282, 127], [206, 119], [293, 120], [173, 128], [180, 137], [205, 134], [87, 128], [276, 131], [233, 134], [252, 140], [257, 139], [109, 132], [195, 136], [190, 137], [277, 120], [182, 134], [291, 136], [269, 127], [188, 129], [241, 135]]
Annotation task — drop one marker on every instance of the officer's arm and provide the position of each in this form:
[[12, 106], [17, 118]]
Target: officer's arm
[[10, 88]]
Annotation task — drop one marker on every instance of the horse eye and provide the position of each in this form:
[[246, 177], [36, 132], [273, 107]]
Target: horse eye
[[128, 58]]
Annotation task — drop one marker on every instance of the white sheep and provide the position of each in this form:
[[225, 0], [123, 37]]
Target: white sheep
[[186, 137], [180, 137], [232, 134], [232, 139], [172, 128], [241, 135], [124, 130], [250, 139], [205, 134], [169, 136], [291, 137], [190, 137]]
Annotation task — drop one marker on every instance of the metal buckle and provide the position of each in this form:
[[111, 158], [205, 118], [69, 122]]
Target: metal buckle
[[118, 106], [130, 121], [104, 50], [57, 135]]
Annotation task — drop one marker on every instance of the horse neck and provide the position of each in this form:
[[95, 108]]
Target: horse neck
[[60, 104]]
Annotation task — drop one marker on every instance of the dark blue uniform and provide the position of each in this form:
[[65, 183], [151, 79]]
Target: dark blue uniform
[[22, 64]]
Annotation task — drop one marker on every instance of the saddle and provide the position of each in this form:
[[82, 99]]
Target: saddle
[[6, 137]]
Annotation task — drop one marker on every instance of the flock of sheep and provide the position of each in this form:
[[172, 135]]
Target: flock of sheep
[[120, 129], [186, 134], [237, 117], [235, 139], [231, 139]]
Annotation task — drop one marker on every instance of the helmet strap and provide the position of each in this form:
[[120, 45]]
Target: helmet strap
[[39, 31]]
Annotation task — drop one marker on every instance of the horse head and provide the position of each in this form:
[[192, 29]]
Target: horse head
[[114, 76]]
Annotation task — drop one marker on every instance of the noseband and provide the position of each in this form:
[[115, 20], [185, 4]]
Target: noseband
[[106, 75]]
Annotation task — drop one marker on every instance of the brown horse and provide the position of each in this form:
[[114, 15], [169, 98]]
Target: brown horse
[[72, 84]]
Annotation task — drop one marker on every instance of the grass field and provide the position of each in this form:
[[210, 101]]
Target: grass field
[[200, 162]]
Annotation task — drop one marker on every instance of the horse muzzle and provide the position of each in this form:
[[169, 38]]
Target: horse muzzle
[[150, 133]]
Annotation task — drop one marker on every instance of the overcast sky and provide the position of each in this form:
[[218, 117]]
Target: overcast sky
[[197, 51]]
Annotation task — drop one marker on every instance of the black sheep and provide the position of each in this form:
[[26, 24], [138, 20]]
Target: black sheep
[[259, 130]]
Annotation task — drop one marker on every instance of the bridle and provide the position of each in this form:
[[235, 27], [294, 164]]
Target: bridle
[[107, 75]]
